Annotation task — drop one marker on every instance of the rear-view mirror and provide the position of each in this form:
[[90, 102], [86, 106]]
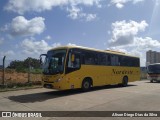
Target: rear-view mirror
[[73, 58]]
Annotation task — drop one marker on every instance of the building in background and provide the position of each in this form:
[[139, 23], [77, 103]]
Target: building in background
[[152, 57]]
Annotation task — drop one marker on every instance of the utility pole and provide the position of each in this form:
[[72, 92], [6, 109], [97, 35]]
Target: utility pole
[[3, 70]]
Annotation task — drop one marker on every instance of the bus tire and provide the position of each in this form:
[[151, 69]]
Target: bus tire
[[86, 85], [125, 81], [151, 81]]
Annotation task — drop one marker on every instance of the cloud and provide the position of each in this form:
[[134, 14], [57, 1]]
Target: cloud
[[125, 38], [71, 6], [141, 44], [48, 37], [139, 47], [123, 32], [157, 2], [74, 12], [146, 43], [120, 3], [71, 44], [33, 47], [22, 6], [90, 17], [20, 26], [77, 13], [4, 28], [7, 53]]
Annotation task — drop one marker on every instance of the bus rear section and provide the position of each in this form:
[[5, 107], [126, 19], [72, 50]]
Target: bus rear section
[[154, 72]]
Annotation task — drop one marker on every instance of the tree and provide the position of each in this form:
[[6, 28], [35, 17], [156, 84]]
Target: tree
[[21, 66], [16, 63], [31, 62]]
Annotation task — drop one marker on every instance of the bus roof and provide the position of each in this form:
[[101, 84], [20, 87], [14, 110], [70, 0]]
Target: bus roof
[[93, 49]]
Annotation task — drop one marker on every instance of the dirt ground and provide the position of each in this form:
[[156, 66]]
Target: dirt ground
[[11, 76]]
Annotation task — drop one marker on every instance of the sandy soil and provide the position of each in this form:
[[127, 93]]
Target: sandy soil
[[11, 76]]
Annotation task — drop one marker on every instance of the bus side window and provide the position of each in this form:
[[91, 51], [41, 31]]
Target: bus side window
[[69, 61], [135, 62], [123, 62], [102, 59], [119, 60], [74, 62], [96, 59], [114, 60], [108, 59], [90, 58]]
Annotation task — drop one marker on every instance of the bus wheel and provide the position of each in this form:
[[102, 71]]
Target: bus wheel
[[86, 85], [125, 81], [151, 81]]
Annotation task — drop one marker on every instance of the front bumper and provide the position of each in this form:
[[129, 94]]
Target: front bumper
[[153, 78]]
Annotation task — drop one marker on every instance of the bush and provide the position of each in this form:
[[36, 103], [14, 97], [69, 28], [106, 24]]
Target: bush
[[11, 85], [29, 84], [20, 85], [2, 86], [36, 83]]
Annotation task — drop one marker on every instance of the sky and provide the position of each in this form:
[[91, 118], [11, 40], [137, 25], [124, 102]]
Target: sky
[[29, 28]]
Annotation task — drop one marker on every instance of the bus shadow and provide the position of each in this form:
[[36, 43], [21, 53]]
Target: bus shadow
[[152, 82], [40, 97]]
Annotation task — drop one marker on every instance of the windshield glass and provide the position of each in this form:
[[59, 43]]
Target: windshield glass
[[154, 68], [54, 62]]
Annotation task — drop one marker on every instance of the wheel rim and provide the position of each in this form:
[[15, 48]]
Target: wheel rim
[[86, 85]]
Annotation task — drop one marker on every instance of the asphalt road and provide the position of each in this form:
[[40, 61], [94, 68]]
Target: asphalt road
[[138, 96]]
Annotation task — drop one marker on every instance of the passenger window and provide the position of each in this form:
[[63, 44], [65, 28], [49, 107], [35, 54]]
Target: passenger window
[[74, 62], [102, 59], [90, 58], [108, 59], [115, 60]]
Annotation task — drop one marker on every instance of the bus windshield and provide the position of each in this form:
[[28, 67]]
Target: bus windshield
[[154, 68], [54, 62]]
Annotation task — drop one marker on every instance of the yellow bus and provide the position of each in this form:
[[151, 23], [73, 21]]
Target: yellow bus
[[71, 67]]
